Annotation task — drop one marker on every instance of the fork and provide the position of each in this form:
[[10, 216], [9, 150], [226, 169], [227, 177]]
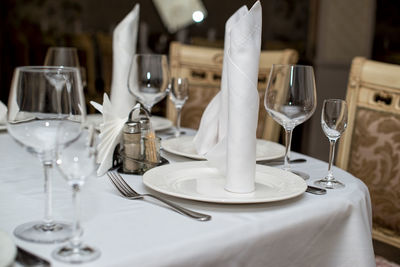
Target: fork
[[127, 192]]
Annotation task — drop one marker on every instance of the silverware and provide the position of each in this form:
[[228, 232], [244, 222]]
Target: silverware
[[315, 190], [280, 161], [26, 258], [127, 192]]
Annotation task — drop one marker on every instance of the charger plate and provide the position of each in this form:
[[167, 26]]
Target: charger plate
[[195, 180], [183, 146]]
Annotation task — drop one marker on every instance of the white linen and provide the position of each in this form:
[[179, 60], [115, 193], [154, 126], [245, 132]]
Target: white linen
[[329, 230], [124, 47], [3, 113], [227, 131]]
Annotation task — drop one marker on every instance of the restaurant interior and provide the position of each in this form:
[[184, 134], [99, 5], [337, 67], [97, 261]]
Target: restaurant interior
[[337, 38]]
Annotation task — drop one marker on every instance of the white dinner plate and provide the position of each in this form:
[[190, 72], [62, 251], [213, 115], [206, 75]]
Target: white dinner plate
[[159, 123], [195, 180], [183, 146], [8, 249], [3, 127]]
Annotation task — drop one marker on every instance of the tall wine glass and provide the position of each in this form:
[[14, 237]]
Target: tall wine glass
[[66, 57], [148, 79], [77, 162], [40, 99], [291, 99], [333, 122], [179, 93]]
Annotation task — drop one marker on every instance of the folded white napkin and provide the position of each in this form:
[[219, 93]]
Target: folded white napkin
[[110, 133], [124, 47], [3, 113], [227, 131]]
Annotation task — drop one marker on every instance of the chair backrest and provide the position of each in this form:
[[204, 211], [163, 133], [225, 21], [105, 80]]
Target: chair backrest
[[202, 66], [370, 147]]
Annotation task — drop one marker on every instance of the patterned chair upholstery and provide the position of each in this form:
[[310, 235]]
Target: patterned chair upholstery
[[370, 147], [202, 66]]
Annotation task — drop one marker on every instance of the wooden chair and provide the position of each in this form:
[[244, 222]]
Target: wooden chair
[[370, 147], [202, 66]]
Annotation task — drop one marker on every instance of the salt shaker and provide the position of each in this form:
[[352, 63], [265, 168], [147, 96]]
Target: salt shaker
[[132, 146]]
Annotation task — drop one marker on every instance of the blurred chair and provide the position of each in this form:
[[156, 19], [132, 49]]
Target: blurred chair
[[202, 66], [370, 147]]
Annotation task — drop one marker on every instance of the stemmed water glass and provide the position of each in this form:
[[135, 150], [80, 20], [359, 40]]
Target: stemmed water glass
[[290, 99], [179, 93], [148, 79], [40, 99], [333, 122], [76, 162], [64, 56]]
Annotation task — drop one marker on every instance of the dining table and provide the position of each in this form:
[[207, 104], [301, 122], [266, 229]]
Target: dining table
[[308, 230]]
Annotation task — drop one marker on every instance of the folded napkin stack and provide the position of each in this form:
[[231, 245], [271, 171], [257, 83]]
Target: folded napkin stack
[[227, 131], [3, 113], [115, 112]]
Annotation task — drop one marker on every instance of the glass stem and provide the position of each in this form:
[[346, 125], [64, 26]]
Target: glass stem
[[76, 230], [48, 217], [332, 143], [288, 141], [178, 122]]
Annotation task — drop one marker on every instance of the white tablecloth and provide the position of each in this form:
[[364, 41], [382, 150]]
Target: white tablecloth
[[310, 230]]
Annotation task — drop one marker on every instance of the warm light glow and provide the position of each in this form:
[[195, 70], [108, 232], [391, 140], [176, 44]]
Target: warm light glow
[[197, 16]]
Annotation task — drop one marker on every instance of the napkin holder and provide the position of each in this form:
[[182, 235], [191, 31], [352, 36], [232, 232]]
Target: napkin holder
[[139, 150]]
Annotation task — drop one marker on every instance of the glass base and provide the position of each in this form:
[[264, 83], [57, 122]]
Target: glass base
[[39, 232], [81, 254], [329, 184], [303, 175]]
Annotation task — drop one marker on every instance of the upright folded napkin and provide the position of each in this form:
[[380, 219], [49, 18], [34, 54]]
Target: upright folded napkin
[[3, 113], [124, 47], [227, 132]]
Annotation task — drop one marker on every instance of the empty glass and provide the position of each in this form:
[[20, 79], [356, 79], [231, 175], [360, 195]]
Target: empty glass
[[333, 122], [66, 57], [148, 79], [179, 93], [76, 162], [41, 98], [290, 99]]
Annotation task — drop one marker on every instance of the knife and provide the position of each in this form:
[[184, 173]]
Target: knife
[[26, 258], [280, 161], [315, 190]]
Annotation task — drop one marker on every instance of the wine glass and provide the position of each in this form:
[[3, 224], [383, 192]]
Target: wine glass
[[148, 79], [40, 99], [64, 56], [333, 122], [179, 93], [290, 99], [76, 162]]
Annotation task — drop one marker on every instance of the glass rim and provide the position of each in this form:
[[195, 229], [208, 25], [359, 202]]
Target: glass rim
[[292, 65], [63, 47], [48, 68]]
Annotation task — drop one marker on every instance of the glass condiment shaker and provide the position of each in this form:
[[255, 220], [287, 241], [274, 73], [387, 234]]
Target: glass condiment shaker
[[132, 147]]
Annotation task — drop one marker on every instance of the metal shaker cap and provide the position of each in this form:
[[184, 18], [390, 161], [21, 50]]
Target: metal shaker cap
[[144, 123], [132, 127]]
